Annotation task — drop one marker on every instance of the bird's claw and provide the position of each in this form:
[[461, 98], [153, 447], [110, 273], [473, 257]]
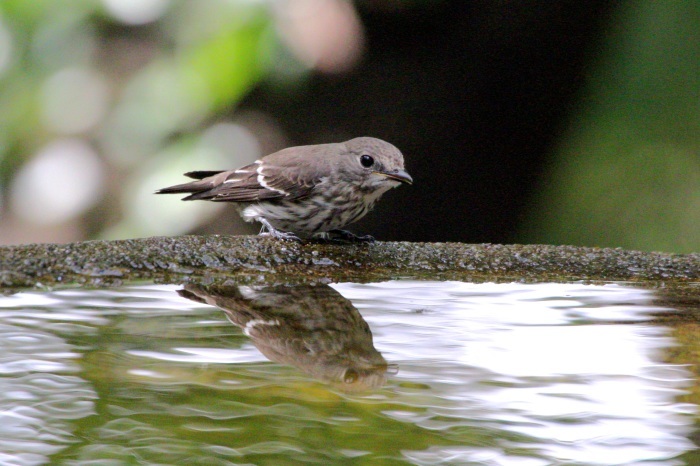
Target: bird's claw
[[277, 234], [283, 235], [347, 236]]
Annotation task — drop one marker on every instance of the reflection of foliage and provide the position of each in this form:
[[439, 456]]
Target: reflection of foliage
[[687, 353], [120, 94]]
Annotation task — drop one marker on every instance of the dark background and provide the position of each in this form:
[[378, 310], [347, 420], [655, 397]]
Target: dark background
[[474, 94]]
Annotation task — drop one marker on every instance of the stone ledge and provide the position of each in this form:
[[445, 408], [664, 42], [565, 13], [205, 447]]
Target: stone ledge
[[252, 259]]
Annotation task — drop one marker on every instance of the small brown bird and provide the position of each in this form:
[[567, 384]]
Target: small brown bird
[[306, 191], [311, 327]]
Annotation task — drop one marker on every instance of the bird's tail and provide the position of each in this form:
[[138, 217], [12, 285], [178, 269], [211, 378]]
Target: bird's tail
[[200, 175], [198, 189]]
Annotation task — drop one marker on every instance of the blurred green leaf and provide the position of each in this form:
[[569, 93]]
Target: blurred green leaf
[[227, 65]]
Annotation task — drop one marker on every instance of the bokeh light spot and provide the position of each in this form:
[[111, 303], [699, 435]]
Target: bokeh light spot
[[61, 181], [324, 34], [74, 100], [136, 12]]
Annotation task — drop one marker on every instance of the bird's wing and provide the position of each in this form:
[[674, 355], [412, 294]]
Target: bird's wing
[[291, 174], [278, 176]]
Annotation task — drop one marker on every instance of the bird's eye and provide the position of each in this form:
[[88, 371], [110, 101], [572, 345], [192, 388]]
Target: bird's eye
[[350, 376], [366, 161]]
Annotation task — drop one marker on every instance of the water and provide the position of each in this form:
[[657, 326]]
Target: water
[[402, 372]]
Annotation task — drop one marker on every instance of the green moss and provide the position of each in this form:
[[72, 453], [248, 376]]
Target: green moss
[[263, 260]]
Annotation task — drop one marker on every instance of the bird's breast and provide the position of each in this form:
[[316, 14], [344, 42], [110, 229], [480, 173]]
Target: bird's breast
[[332, 207]]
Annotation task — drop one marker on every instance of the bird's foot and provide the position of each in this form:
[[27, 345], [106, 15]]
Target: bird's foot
[[269, 230], [349, 237], [283, 235]]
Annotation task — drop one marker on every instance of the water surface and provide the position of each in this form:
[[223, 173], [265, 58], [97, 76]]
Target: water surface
[[401, 372]]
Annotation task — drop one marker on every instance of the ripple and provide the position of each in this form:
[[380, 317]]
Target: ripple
[[493, 374], [36, 413]]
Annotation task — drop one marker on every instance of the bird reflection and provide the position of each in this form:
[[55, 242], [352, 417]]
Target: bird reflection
[[313, 328]]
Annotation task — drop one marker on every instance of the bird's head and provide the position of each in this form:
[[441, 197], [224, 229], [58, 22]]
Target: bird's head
[[378, 163]]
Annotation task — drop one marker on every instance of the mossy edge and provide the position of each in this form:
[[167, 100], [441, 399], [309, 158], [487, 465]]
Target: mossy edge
[[252, 259]]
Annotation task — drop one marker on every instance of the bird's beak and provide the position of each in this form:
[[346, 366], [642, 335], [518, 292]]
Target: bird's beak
[[398, 175]]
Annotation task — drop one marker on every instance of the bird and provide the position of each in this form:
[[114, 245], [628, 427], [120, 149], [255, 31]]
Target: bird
[[308, 191], [311, 327]]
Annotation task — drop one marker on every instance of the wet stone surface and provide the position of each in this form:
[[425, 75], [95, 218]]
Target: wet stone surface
[[255, 260]]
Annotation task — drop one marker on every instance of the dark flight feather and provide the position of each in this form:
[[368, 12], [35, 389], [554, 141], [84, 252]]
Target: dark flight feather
[[200, 175]]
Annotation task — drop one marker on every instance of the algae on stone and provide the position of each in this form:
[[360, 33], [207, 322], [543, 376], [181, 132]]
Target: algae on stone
[[254, 259]]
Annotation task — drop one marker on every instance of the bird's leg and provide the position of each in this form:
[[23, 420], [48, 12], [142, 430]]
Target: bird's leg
[[345, 235], [283, 235]]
